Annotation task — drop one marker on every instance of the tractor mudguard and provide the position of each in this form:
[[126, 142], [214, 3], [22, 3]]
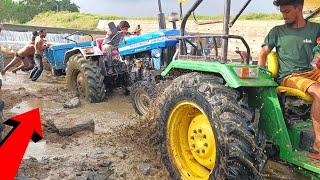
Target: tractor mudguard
[[227, 71], [85, 51]]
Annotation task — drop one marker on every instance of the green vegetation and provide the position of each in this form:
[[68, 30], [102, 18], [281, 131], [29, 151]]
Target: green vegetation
[[261, 16], [67, 20], [75, 20], [90, 21], [23, 11], [249, 16]]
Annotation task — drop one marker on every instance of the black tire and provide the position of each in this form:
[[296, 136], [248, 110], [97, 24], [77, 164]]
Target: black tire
[[57, 72], [239, 146], [143, 93], [85, 79]]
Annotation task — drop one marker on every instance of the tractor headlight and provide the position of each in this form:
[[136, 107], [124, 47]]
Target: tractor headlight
[[89, 50], [189, 49], [246, 72], [156, 53]]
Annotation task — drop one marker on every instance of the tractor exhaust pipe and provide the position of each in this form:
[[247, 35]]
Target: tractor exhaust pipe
[[161, 17], [226, 21]]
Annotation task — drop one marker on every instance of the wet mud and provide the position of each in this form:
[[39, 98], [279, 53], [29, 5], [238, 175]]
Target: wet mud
[[122, 146]]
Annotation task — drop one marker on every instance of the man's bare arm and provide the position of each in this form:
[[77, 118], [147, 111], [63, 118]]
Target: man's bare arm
[[263, 56], [40, 45]]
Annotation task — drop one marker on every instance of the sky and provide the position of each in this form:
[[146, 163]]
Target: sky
[[136, 8]]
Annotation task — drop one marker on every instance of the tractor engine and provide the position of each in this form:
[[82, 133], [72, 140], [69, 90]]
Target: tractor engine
[[149, 54]]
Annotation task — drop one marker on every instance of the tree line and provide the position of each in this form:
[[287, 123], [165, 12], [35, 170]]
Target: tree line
[[22, 11]]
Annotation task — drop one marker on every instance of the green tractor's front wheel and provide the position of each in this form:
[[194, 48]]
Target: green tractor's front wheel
[[205, 134]]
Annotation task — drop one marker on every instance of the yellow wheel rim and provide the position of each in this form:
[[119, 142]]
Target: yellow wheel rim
[[191, 141]]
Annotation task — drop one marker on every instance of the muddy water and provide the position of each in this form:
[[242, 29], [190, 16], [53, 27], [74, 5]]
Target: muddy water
[[120, 137]]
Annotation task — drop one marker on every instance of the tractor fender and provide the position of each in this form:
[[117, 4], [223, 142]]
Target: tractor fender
[[227, 71], [85, 51], [70, 53]]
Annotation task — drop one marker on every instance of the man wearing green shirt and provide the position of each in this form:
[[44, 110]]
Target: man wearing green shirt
[[294, 42]]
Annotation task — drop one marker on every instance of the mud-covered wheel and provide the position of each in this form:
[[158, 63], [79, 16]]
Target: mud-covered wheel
[[57, 72], [142, 93], [205, 134], [85, 79]]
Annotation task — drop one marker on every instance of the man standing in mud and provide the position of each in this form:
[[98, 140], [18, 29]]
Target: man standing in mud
[[40, 45], [294, 42]]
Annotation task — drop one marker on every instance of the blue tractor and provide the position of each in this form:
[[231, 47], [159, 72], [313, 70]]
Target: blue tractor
[[142, 59], [56, 53], [148, 55]]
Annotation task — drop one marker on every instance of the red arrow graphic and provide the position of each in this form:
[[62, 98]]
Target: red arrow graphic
[[13, 147]]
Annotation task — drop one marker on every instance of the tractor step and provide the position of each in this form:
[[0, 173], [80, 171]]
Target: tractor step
[[300, 159]]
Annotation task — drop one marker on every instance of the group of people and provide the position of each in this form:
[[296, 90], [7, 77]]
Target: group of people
[[30, 56]]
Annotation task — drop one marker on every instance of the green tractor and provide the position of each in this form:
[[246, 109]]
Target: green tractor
[[221, 120]]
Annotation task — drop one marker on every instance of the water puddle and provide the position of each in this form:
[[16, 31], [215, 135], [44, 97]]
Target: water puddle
[[20, 79], [35, 103], [36, 150]]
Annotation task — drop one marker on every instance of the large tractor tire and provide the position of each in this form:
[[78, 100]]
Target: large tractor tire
[[206, 134], [85, 79], [143, 93], [57, 72], [141, 96]]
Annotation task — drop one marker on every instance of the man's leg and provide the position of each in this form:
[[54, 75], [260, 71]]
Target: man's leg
[[30, 66], [35, 68], [33, 71], [13, 62], [39, 65], [314, 91], [307, 82], [108, 56], [25, 64], [17, 68]]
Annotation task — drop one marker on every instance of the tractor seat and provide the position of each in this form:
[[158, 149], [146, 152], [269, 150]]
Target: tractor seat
[[294, 92], [273, 67], [99, 42]]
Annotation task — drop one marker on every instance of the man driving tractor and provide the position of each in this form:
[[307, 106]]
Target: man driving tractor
[[294, 42], [112, 40]]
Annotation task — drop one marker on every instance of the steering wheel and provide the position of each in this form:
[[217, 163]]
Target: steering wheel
[[77, 33]]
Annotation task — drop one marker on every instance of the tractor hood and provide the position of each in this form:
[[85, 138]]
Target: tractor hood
[[153, 40]]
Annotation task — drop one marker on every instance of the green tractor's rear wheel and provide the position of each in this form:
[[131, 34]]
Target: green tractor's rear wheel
[[205, 134], [85, 79]]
